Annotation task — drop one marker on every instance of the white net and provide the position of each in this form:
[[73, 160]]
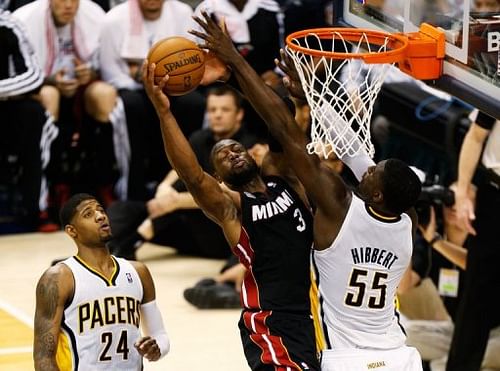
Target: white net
[[340, 92]]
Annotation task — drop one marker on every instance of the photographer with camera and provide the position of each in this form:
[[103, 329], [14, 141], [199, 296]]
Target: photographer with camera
[[435, 264], [429, 304]]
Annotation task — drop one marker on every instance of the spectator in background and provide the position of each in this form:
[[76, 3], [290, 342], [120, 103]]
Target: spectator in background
[[27, 129], [304, 14], [172, 218], [129, 30], [257, 30], [478, 311], [64, 34], [485, 6], [254, 28]]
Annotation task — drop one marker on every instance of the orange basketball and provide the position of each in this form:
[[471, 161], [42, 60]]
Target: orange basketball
[[182, 60]]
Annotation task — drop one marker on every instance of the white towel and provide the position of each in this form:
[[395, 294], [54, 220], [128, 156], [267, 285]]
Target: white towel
[[42, 33], [236, 21], [175, 17]]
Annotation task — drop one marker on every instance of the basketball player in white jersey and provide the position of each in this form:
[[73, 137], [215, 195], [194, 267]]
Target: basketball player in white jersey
[[363, 239], [89, 307]]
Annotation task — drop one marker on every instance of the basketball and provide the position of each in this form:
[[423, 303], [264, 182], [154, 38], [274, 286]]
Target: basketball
[[182, 60]]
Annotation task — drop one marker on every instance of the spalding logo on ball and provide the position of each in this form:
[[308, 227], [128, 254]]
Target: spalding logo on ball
[[182, 60]]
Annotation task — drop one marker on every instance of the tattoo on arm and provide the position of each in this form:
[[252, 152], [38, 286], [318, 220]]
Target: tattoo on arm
[[45, 342]]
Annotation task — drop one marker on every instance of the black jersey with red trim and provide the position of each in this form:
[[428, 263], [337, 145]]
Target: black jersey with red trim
[[275, 246]]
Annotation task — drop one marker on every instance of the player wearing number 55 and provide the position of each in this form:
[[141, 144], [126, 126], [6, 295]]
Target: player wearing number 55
[[90, 306]]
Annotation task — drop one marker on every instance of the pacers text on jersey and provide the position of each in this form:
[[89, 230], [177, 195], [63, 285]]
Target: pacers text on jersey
[[108, 311], [373, 255]]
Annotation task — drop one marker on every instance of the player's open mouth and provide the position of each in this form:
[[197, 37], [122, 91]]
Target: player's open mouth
[[239, 163]]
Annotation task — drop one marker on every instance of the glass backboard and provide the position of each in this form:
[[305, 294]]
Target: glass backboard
[[471, 70]]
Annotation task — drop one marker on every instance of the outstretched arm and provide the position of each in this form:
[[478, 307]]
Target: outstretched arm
[[204, 188], [282, 126]]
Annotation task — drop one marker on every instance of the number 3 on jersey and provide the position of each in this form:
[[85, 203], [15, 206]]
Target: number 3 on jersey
[[360, 281], [301, 227]]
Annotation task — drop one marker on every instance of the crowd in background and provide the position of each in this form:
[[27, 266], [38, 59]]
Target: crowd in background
[[105, 138], [81, 122]]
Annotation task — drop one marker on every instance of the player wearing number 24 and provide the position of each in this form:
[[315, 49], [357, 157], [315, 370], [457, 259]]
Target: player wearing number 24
[[89, 307], [362, 239]]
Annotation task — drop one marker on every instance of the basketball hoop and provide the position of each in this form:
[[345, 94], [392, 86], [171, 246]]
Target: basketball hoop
[[341, 107]]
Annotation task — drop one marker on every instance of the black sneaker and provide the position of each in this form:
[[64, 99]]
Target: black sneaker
[[213, 296]]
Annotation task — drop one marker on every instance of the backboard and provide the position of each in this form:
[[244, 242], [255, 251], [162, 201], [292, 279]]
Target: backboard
[[471, 70]]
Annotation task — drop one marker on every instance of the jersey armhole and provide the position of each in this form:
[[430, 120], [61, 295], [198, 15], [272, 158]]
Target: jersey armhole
[[71, 297]]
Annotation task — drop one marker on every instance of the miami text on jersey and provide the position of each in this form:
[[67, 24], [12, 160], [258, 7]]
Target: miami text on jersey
[[278, 206]]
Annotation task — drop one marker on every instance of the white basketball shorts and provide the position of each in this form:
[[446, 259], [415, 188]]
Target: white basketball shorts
[[400, 359]]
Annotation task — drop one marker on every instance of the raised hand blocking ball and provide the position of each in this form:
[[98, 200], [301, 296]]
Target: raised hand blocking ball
[[182, 60]]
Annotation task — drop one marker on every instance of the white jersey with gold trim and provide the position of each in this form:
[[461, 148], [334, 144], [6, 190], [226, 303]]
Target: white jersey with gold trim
[[101, 323], [357, 277]]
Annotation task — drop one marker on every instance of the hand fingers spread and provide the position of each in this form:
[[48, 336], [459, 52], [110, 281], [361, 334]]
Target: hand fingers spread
[[201, 22], [281, 66], [285, 58], [201, 35], [210, 21], [205, 45], [223, 26]]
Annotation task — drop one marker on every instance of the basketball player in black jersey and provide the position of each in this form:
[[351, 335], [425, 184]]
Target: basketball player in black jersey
[[268, 224]]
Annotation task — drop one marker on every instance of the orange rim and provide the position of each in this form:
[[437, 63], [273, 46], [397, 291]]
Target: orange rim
[[398, 43]]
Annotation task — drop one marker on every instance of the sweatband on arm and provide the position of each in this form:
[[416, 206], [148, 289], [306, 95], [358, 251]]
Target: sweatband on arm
[[152, 325], [358, 163]]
